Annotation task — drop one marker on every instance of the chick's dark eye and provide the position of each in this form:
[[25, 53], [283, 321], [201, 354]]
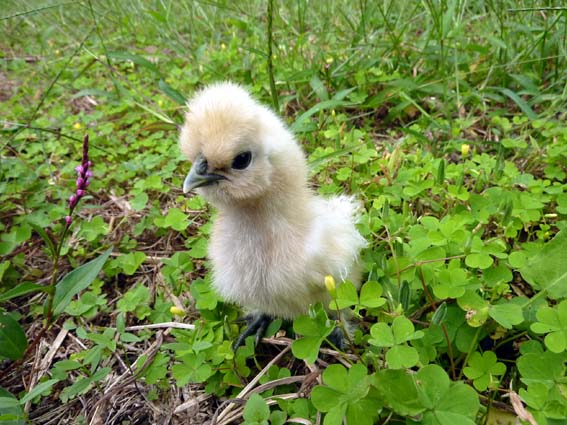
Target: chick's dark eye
[[203, 167], [242, 160]]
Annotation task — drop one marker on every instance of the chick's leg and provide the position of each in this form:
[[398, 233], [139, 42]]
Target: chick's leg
[[341, 337], [257, 324]]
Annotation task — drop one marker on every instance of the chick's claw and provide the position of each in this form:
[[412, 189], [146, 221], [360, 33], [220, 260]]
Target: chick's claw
[[338, 339], [257, 324]]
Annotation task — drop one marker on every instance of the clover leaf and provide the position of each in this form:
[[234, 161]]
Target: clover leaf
[[452, 281], [192, 369], [370, 295], [175, 219], [543, 373], [547, 271], [346, 296], [476, 308], [400, 355], [256, 411], [314, 327], [346, 395], [130, 262], [507, 314], [428, 392], [553, 322], [483, 368]]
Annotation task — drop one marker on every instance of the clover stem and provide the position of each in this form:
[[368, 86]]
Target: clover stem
[[443, 327]]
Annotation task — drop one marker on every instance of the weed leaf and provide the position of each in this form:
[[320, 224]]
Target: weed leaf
[[77, 280]]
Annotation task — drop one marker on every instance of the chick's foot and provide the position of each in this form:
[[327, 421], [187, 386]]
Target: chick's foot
[[338, 339], [257, 324]]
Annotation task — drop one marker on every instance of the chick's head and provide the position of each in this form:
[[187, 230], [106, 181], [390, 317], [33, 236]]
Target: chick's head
[[238, 148]]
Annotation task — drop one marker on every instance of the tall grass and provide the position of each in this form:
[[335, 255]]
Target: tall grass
[[449, 58]]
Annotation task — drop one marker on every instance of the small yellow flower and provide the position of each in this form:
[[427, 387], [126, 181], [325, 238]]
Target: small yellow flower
[[57, 51], [329, 60], [176, 311], [331, 285], [160, 103], [223, 46], [465, 149], [333, 113], [77, 126]]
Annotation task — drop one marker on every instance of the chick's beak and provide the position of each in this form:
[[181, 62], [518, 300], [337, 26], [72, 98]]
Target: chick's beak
[[197, 178]]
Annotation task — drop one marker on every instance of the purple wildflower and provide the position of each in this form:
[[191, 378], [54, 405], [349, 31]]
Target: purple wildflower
[[83, 180]]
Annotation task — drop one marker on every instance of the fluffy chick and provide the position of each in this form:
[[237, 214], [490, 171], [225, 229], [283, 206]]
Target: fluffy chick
[[273, 240]]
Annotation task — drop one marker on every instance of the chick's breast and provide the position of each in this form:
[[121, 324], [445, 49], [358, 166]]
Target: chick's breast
[[278, 268], [262, 266]]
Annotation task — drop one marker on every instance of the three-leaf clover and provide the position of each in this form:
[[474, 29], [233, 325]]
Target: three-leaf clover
[[452, 281], [346, 296], [130, 262], [136, 300], [428, 392], [400, 355], [175, 219], [314, 327], [553, 322], [346, 395], [192, 369], [483, 368]]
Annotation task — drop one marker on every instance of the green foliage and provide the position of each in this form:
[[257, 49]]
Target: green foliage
[[11, 412], [129, 263], [428, 393], [313, 328], [256, 411], [347, 296], [547, 270], [13, 340], [194, 368], [483, 370], [395, 337], [553, 323], [135, 300], [543, 373], [91, 230], [174, 219], [77, 280], [346, 395]]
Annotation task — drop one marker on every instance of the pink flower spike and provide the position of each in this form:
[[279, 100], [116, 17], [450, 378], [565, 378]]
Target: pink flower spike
[[80, 182], [87, 183], [90, 163], [89, 173], [79, 169], [68, 220], [80, 192]]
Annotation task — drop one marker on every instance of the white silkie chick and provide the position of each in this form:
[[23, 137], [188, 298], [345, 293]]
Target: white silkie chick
[[274, 240]]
